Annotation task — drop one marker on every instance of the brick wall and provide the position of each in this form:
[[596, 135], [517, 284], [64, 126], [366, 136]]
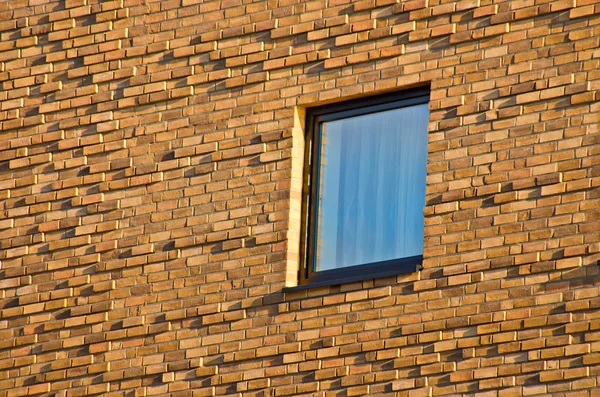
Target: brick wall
[[150, 178]]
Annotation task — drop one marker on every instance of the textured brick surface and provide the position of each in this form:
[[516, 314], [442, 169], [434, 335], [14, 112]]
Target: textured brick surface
[[150, 177]]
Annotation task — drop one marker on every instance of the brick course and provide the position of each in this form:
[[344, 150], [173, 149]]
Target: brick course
[[151, 158]]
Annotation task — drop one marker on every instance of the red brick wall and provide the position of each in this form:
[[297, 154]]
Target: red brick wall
[[150, 185]]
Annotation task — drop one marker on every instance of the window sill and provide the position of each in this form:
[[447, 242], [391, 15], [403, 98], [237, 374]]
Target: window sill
[[359, 273]]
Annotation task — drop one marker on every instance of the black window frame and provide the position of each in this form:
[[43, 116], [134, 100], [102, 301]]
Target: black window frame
[[314, 116]]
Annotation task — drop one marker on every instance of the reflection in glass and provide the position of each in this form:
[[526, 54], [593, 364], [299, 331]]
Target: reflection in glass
[[371, 188]]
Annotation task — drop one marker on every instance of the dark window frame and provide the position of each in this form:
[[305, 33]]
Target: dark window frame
[[314, 116]]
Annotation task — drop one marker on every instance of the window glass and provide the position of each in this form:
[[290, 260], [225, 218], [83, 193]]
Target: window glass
[[371, 188]]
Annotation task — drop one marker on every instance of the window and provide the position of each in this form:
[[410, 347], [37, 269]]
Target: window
[[365, 188]]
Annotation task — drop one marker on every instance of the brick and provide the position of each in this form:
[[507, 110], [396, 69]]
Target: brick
[[152, 163]]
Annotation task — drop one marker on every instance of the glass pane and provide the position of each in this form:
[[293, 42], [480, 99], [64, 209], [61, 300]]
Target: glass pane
[[371, 191]]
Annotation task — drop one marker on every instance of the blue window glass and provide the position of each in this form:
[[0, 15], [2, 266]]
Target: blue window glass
[[371, 191]]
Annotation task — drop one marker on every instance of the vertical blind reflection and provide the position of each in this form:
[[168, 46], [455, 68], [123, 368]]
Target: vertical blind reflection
[[371, 188]]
